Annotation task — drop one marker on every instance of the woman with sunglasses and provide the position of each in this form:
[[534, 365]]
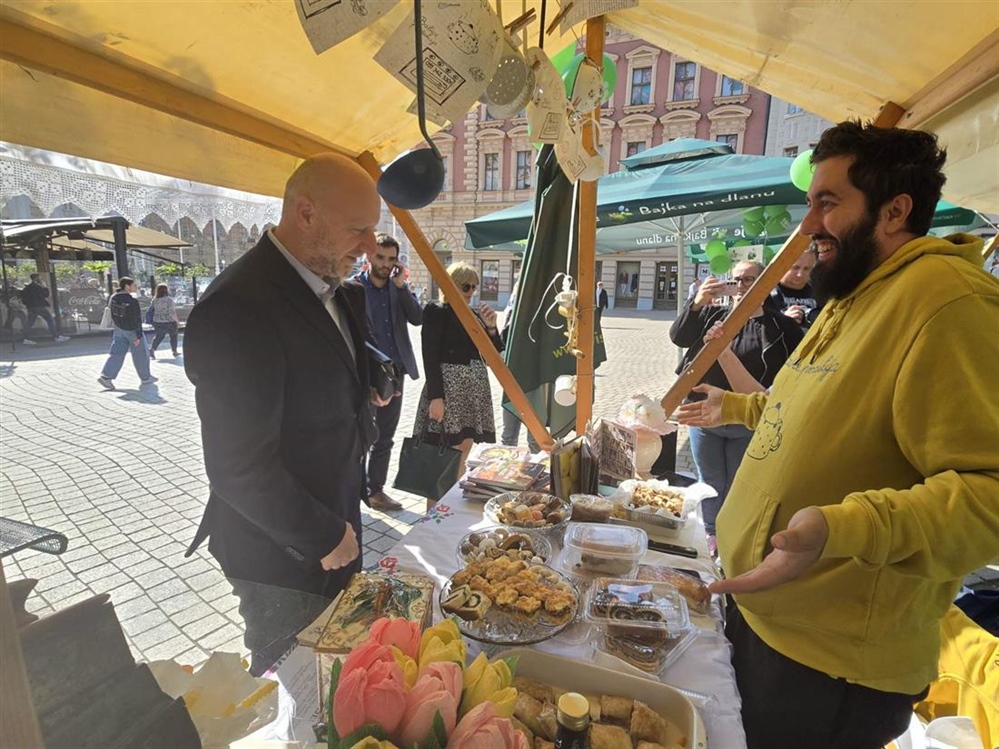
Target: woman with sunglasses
[[456, 406], [762, 346]]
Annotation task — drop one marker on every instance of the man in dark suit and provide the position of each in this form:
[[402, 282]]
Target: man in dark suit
[[275, 350], [391, 306], [601, 299]]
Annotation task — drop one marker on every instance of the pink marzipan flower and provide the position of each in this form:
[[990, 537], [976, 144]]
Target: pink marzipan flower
[[402, 633], [370, 690], [438, 690], [482, 728]]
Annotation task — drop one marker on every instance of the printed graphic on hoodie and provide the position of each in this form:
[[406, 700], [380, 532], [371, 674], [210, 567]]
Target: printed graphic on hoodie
[[769, 434]]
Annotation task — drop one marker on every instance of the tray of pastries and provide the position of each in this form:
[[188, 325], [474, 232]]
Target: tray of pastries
[[493, 543], [626, 712], [509, 602]]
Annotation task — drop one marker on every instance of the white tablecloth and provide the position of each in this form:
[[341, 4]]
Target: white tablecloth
[[704, 671]]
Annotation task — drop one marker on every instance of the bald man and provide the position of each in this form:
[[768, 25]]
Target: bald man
[[275, 352]]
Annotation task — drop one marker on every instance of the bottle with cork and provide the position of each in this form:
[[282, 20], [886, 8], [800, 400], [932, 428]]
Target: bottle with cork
[[573, 718]]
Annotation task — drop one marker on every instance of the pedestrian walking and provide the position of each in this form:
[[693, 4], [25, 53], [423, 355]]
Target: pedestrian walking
[[35, 297], [165, 320], [127, 336]]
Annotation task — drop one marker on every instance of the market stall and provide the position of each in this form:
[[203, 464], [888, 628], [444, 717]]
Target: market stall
[[701, 673]]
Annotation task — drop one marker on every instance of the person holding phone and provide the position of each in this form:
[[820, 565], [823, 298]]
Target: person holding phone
[[391, 308], [762, 346], [456, 407]]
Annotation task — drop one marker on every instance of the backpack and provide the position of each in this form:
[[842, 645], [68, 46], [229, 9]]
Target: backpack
[[120, 312]]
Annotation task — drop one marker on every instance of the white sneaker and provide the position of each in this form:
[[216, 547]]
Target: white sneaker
[[106, 383], [61, 338], [29, 342], [150, 380]]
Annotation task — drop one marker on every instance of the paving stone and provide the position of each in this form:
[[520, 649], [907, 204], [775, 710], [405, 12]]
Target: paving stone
[[151, 579], [202, 628], [145, 622], [193, 613], [223, 638], [161, 633]]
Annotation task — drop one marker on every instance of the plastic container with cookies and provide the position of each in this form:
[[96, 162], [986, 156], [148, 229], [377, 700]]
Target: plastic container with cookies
[[601, 549], [644, 623]]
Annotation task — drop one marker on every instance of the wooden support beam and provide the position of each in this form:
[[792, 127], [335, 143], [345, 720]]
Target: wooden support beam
[[469, 321], [587, 258], [732, 324], [125, 78], [979, 66], [888, 117]]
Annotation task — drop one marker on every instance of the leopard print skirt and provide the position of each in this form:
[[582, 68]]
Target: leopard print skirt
[[468, 407]]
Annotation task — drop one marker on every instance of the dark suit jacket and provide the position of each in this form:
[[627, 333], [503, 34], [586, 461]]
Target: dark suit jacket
[[602, 299], [405, 309], [285, 420]]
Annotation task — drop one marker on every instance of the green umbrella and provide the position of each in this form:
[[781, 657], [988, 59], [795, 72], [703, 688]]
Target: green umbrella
[[536, 352]]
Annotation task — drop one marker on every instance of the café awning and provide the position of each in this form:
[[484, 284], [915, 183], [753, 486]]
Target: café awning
[[231, 93]]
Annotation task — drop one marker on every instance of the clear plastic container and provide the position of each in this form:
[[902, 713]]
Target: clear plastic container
[[602, 549], [644, 623]]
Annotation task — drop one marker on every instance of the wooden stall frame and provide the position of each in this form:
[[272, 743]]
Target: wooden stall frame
[[587, 233]]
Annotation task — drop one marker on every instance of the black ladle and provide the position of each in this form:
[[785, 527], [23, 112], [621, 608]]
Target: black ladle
[[415, 179]]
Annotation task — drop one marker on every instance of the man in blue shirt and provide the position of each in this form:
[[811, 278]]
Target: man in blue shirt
[[391, 304]]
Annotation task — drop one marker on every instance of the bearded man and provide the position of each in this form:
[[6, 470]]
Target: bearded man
[[875, 488]]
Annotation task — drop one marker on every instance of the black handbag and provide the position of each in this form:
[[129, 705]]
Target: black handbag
[[385, 375], [427, 470]]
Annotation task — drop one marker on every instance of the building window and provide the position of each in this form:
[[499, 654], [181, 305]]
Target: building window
[[641, 86], [731, 87], [446, 162], [794, 109], [791, 151], [635, 147], [490, 172], [524, 168], [683, 81], [729, 139], [489, 279]]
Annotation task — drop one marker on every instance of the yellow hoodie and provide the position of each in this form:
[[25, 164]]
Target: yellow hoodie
[[887, 418]]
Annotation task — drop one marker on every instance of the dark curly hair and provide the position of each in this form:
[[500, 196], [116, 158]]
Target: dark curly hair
[[889, 162]]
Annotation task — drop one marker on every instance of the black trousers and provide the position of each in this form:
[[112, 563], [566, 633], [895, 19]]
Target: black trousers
[[387, 420], [786, 705], [273, 617], [163, 329]]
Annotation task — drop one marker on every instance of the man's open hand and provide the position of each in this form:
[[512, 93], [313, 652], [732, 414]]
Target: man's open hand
[[345, 552], [795, 551], [705, 413]]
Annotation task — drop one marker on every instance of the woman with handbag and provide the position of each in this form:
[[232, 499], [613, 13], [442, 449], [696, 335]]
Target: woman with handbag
[[456, 407], [165, 319]]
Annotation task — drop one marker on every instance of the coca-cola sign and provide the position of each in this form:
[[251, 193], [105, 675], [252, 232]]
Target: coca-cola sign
[[85, 298]]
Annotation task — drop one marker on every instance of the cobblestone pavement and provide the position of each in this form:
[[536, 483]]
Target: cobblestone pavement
[[121, 474]]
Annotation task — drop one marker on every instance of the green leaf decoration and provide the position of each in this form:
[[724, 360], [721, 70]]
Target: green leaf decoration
[[368, 729], [511, 663], [436, 737], [332, 737]]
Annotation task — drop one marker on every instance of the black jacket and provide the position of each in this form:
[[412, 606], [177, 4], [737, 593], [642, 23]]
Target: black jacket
[[285, 422], [762, 355], [34, 295], [445, 341]]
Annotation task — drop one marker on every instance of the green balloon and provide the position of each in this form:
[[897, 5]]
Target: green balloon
[[742, 243], [802, 170], [752, 227], [720, 264], [562, 58], [715, 248], [754, 214], [772, 211], [778, 224], [768, 254]]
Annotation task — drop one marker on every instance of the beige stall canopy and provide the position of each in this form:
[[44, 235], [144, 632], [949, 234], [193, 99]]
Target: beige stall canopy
[[231, 92]]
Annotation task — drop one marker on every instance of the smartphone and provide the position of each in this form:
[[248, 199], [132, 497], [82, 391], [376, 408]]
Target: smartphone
[[684, 551], [731, 288], [396, 270]]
